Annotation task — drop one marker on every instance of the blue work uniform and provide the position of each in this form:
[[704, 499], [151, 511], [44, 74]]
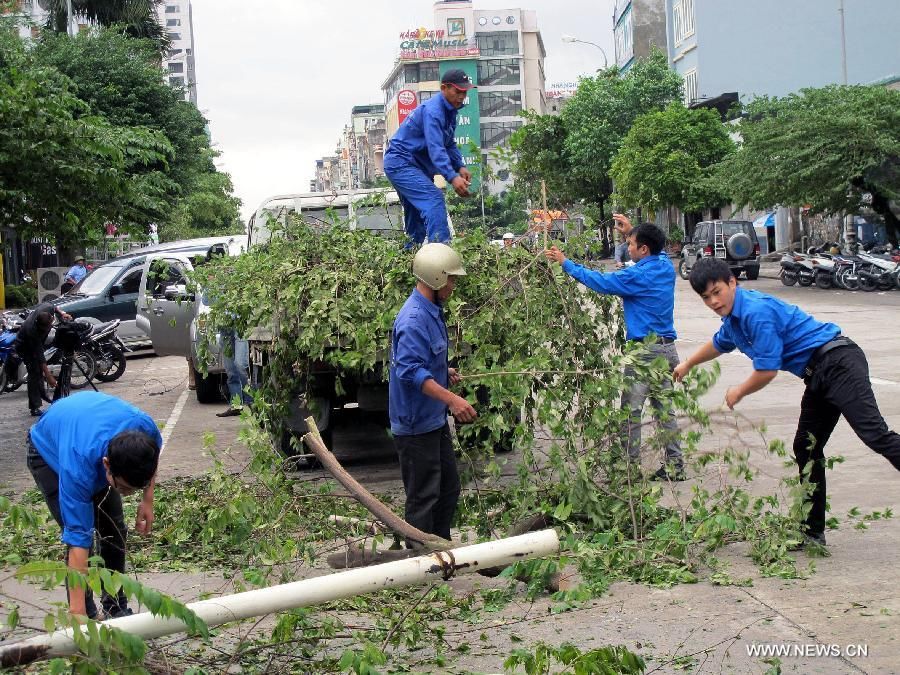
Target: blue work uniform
[[72, 437], [419, 346], [647, 289], [76, 273], [424, 145], [774, 334]]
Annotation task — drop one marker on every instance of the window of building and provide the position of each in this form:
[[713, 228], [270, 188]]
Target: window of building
[[690, 87], [176, 81], [498, 44], [174, 36], [393, 87], [500, 103], [624, 38], [174, 52], [683, 19], [425, 95], [172, 9], [498, 71], [427, 71], [496, 133], [176, 67], [173, 22]]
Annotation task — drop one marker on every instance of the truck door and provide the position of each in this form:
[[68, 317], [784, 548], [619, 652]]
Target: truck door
[[165, 305]]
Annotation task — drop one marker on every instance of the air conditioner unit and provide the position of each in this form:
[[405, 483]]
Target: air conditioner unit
[[49, 282]]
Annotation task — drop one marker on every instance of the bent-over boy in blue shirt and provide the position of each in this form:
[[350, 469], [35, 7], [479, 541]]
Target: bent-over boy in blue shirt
[[647, 290], [779, 336], [419, 397], [87, 452]]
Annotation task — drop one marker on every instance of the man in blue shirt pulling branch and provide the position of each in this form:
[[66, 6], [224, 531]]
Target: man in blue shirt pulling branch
[[87, 452], [778, 336], [647, 290], [424, 146], [419, 395]]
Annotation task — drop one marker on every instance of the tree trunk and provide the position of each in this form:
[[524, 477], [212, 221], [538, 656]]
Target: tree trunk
[[882, 206]]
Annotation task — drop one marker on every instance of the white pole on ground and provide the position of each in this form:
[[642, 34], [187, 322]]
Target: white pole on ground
[[215, 611]]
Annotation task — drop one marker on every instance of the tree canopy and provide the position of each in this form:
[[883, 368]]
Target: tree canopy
[[65, 170], [835, 149], [668, 159], [136, 18]]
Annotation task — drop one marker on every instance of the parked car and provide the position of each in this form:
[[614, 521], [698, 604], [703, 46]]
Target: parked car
[[733, 241]]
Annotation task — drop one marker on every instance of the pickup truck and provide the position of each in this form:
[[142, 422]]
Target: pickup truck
[[175, 318]]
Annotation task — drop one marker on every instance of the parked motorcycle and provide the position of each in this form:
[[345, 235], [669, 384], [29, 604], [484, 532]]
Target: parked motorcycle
[[797, 268], [108, 350], [877, 273]]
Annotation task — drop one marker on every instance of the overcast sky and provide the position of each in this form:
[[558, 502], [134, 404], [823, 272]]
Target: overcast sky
[[277, 79]]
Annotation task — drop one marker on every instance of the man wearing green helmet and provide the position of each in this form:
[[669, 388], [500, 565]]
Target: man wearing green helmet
[[419, 394]]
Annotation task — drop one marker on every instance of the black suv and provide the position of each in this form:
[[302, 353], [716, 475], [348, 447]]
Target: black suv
[[734, 241]]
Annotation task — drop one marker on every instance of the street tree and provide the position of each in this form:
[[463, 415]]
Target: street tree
[[120, 78], [135, 18], [668, 159], [574, 152], [834, 149], [64, 170]]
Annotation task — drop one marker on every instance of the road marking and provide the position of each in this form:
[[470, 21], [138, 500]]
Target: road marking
[[887, 383], [173, 418]]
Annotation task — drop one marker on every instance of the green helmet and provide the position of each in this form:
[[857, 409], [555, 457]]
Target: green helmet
[[434, 263]]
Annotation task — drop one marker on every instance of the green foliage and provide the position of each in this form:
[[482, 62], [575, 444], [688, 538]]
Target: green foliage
[[574, 152], [825, 148], [668, 159], [542, 658], [135, 18], [64, 169], [23, 295]]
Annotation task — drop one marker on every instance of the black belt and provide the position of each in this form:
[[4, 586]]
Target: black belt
[[657, 341], [816, 358]]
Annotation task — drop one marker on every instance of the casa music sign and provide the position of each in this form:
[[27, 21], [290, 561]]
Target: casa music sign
[[422, 44]]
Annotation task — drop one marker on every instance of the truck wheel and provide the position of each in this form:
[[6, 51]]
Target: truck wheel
[[289, 438], [752, 273], [209, 387], [683, 270]]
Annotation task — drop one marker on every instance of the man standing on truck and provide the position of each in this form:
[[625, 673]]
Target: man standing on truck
[[424, 146], [419, 397]]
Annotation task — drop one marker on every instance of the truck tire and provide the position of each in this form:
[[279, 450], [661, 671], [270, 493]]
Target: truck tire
[[752, 273], [209, 387], [683, 270], [295, 427]]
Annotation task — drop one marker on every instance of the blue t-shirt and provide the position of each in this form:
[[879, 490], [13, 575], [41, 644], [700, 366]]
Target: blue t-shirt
[[647, 289], [419, 346], [427, 140], [774, 334], [76, 273], [72, 436]]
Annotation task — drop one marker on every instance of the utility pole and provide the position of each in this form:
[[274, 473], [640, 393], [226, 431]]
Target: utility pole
[[69, 18], [843, 43]]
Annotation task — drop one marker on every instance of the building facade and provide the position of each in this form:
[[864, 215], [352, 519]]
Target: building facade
[[770, 47], [502, 52], [177, 17], [639, 26]]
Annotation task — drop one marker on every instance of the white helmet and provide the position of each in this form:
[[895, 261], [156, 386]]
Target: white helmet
[[434, 263], [509, 235]]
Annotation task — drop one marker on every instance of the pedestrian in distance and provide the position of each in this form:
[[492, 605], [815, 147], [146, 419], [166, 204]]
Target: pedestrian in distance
[[85, 453], [620, 254], [419, 395], [425, 146], [29, 345], [647, 289], [76, 273], [780, 336]]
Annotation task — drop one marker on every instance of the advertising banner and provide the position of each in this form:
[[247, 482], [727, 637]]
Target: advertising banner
[[468, 121]]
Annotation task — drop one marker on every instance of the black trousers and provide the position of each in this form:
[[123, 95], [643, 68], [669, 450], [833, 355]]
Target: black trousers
[[35, 377], [839, 386], [109, 522], [430, 479]]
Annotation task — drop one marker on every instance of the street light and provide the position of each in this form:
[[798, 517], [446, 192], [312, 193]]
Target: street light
[[570, 38]]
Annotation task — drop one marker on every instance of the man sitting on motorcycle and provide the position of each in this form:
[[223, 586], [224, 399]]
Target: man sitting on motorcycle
[[30, 348]]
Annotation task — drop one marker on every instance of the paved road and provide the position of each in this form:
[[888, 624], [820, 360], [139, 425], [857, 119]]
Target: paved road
[[853, 598]]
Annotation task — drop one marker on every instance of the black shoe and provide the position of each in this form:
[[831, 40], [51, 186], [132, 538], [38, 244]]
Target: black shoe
[[231, 412], [810, 541], [36, 412], [670, 473]]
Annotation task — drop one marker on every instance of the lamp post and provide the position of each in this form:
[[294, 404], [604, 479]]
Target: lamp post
[[843, 44], [570, 38]]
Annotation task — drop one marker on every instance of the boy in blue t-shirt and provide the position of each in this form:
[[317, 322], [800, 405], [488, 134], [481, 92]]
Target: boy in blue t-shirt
[[778, 336], [86, 452]]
